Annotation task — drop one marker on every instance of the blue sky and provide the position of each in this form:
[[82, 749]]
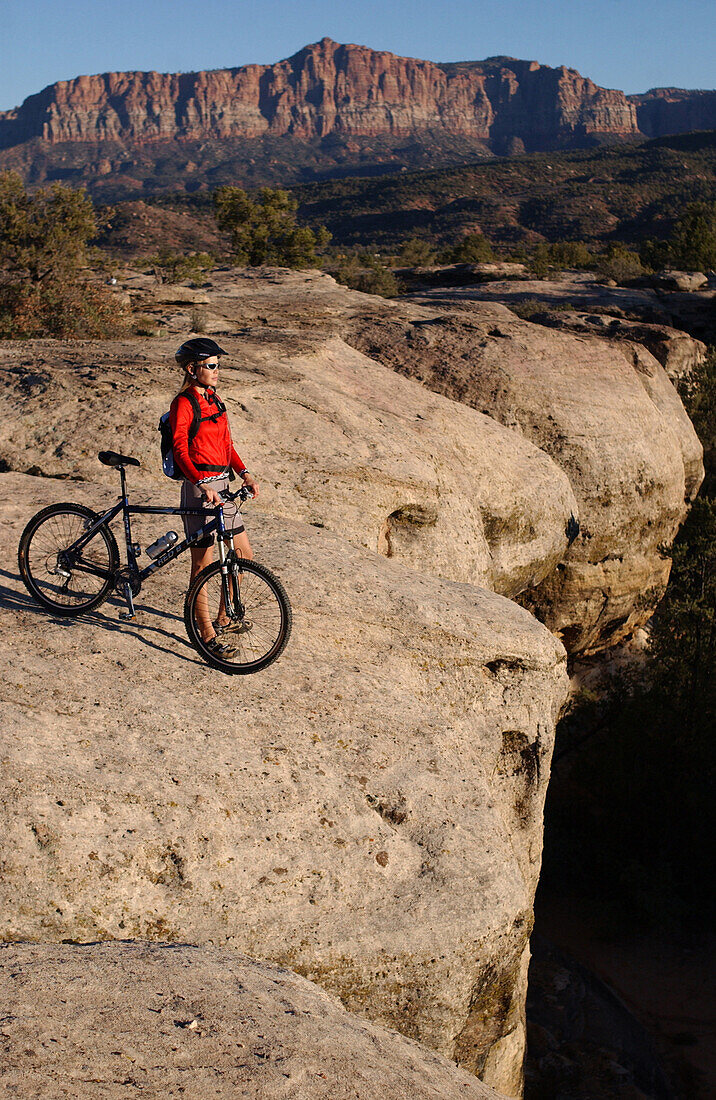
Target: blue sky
[[629, 44]]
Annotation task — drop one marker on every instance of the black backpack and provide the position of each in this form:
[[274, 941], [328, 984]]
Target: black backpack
[[169, 466]]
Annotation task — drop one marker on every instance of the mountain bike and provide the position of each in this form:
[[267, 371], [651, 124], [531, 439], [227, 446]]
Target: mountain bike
[[69, 561]]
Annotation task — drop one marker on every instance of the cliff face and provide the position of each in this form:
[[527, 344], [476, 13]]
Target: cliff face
[[325, 89], [663, 111], [369, 811]]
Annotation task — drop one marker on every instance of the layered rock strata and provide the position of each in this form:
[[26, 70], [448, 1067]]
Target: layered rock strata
[[99, 1020], [325, 89], [368, 811], [663, 111]]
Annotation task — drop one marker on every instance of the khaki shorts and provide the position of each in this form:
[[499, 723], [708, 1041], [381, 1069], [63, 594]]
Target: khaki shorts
[[192, 497]]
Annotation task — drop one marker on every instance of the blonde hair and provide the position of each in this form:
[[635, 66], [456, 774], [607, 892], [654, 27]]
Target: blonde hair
[[189, 381]]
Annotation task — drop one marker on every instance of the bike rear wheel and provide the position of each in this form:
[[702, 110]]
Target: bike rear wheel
[[247, 607], [66, 580]]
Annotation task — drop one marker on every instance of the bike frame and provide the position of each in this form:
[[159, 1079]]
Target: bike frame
[[214, 524]]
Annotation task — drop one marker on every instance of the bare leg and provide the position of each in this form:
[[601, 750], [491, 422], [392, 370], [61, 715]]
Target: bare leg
[[242, 546], [201, 556]]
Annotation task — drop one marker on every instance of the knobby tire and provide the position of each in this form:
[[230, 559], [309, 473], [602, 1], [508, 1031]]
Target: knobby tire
[[267, 611], [92, 575]]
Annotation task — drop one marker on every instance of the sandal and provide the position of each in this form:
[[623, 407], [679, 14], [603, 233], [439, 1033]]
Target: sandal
[[242, 627], [220, 649]]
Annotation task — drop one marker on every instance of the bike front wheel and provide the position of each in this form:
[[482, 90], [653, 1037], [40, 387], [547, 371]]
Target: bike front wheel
[[245, 610], [62, 569]]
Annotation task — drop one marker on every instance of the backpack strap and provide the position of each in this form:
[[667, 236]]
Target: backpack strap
[[197, 418], [196, 413], [220, 408]]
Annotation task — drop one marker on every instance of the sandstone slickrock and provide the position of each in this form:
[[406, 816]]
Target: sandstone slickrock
[[441, 275], [388, 465], [578, 291], [682, 280], [343, 442], [328, 88], [678, 353], [368, 811], [692, 310], [606, 413], [110, 1020]]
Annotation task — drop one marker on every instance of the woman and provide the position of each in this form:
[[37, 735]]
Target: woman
[[206, 455]]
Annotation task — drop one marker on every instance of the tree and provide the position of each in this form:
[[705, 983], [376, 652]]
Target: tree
[[619, 263], [472, 249], [568, 254], [43, 251], [692, 245], [693, 241], [683, 635], [416, 253], [265, 231]]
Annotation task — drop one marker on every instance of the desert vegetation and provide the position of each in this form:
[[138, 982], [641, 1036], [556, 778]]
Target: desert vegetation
[[691, 245], [621, 212], [46, 283], [264, 230]]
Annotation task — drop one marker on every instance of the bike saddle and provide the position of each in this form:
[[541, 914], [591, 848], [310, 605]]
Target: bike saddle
[[111, 458]]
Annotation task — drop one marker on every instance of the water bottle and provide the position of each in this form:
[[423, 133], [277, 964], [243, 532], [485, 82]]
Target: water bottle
[[162, 544]]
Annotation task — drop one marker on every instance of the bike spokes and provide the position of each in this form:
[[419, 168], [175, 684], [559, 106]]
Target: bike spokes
[[239, 621], [63, 569]]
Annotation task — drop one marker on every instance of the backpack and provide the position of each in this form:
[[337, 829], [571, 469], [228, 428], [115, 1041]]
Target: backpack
[[169, 466]]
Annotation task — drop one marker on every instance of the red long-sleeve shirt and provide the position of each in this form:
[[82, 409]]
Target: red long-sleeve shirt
[[211, 452]]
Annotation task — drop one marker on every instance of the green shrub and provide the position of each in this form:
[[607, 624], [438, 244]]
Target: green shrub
[[416, 253], [45, 289], [570, 254], [264, 231], [474, 248], [692, 245], [619, 263], [365, 272], [174, 267], [528, 308], [544, 257]]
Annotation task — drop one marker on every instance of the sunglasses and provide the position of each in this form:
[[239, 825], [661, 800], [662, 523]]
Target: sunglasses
[[207, 366]]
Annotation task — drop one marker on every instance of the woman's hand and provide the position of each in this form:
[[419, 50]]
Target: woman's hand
[[211, 496], [250, 484]]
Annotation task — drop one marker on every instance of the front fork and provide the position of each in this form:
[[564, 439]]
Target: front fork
[[230, 581]]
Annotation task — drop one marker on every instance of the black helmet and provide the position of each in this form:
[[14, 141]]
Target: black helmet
[[192, 351]]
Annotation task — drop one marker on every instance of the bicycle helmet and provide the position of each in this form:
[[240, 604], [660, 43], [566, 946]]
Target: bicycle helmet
[[192, 351]]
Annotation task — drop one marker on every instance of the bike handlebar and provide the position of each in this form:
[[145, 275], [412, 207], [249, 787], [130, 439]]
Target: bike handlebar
[[244, 493]]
